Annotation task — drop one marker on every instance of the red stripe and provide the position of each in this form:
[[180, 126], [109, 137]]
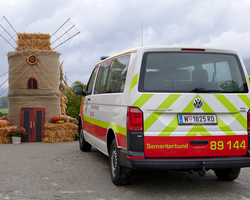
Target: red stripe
[[121, 140], [101, 133]]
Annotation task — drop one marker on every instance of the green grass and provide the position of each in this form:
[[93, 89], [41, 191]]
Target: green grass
[[4, 110]]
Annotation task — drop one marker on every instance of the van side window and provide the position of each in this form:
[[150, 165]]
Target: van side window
[[101, 79], [91, 82], [117, 75]]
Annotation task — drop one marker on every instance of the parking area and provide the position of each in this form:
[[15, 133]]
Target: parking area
[[62, 171]]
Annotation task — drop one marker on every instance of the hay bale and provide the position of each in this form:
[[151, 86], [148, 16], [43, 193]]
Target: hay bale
[[55, 133], [4, 139], [74, 121], [37, 41]]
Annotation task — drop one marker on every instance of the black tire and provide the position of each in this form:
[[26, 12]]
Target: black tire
[[84, 146], [119, 175], [227, 174]]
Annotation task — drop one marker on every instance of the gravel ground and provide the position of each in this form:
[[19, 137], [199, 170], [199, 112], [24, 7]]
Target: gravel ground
[[62, 171]]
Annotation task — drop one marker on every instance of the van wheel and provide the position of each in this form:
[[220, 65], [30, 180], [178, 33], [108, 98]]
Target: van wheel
[[119, 175], [84, 146], [227, 174]]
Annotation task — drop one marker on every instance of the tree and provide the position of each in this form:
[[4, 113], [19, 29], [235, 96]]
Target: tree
[[4, 103], [74, 101]]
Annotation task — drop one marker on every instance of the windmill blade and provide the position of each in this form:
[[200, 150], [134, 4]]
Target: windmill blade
[[64, 33]]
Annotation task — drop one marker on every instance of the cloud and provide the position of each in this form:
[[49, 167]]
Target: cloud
[[109, 27], [232, 40]]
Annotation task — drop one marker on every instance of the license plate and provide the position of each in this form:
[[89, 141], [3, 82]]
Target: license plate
[[210, 119]]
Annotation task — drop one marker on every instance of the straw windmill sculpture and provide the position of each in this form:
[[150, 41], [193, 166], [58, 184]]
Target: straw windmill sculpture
[[35, 77]]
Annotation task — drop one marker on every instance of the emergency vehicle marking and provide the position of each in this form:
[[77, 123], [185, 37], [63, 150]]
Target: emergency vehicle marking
[[170, 128], [118, 55], [169, 101], [142, 100], [224, 127], [167, 146], [198, 129], [118, 129], [230, 107], [134, 82], [248, 81], [215, 146], [165, 105], [245, 99]]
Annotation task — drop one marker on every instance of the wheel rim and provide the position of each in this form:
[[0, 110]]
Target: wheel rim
[[114, 162]]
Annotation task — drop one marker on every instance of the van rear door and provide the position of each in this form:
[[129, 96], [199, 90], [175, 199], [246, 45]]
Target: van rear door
[[194, 104]]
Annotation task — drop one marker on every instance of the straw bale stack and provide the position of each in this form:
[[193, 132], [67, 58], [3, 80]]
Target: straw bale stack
[[33, 41], [4, 139], [59, 132]]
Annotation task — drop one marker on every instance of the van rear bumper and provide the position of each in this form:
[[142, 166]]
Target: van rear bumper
[[137, 161]]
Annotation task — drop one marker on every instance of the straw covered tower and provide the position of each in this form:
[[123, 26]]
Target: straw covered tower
[[35, 84], [36, 90]]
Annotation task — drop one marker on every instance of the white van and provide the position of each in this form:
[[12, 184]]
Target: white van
[[161, 107]]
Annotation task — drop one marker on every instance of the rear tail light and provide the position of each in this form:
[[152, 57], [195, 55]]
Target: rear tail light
[[134, 119], [248, 120], [248, 128]]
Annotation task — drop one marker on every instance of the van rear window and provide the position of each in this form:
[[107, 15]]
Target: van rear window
[[191, 72]]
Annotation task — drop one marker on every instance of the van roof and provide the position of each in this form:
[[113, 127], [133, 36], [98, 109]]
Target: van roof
[[170, 48]]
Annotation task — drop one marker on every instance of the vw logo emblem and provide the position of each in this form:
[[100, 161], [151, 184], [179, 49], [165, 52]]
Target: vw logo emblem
[[198, 103]]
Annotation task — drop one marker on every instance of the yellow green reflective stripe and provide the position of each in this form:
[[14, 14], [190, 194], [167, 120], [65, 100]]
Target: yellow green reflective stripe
[[170, 128], [125, 52], [169, 101], [198, 129], [242, 120], [226, 103], [247, 79], [206, 108], [150, 120], [133, 82], [142, 100], [165, 104], [118, 129], [190, 107], [224, 127], [245, 99], [234, 112]]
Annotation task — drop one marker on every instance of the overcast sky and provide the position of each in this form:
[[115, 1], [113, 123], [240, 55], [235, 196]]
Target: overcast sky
[[111, 26]]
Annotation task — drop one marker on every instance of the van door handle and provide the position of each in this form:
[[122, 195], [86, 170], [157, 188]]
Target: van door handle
[[198, 142], [88, 99]]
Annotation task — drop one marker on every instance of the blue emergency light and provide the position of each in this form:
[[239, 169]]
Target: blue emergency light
[[104, 57]]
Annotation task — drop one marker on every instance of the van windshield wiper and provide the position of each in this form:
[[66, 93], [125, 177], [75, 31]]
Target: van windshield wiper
[[203, 90]]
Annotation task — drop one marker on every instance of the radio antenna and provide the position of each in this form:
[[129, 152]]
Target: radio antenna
[[141, 33]]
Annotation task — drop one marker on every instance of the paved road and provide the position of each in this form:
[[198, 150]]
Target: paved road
[[62, 171]]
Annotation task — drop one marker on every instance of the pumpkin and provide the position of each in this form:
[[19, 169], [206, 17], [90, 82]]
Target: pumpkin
[[4, 123], [58, 118]]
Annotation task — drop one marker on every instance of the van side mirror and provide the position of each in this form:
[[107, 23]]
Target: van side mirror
[[79, 90]]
